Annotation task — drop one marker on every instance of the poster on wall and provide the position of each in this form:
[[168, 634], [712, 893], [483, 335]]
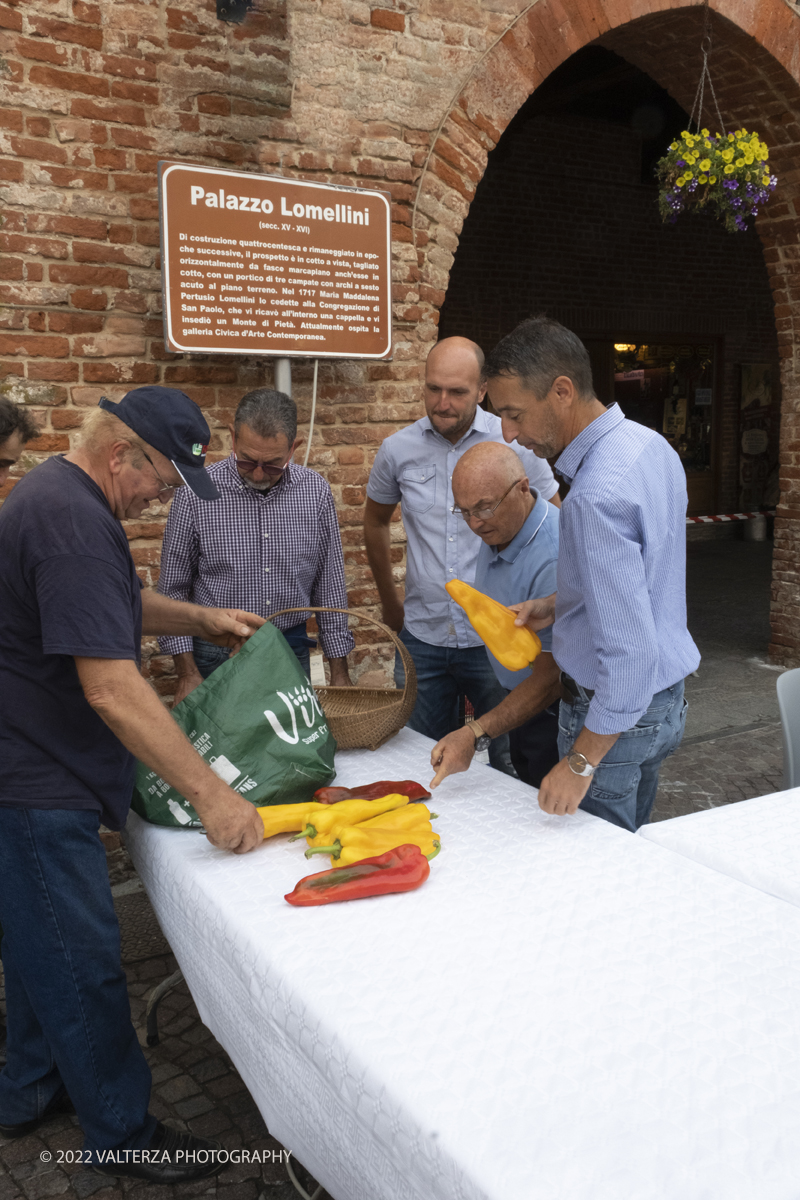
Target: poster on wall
[[754, 441], [259, 264]]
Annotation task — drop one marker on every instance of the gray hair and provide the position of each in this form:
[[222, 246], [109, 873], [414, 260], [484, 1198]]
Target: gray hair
[[537, 352], [268, 413]]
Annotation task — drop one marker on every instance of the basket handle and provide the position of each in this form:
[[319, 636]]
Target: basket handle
[[408, 662]]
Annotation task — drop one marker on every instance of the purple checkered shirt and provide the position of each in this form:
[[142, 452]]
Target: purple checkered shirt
[[260, 552]]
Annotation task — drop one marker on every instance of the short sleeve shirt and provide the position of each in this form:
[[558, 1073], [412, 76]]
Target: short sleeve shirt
[[415, 466], [68, 587]]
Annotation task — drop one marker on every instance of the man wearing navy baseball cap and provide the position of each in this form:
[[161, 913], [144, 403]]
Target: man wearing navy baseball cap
[[75, 714]]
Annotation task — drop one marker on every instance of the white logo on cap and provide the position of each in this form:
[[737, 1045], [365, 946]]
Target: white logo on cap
[[197, 448]]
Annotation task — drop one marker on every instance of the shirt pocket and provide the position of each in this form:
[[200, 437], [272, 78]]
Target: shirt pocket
[[418, 486]]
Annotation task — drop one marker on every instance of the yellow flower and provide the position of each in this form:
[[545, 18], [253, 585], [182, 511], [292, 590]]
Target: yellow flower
[[739, 163], [729, 169], [680, 182], [765, 180], [727, 155], [673, 146], [707, 145], [704, 179], [712, 179], [705, 165], [730, 137], [749, 159], [704, 133]]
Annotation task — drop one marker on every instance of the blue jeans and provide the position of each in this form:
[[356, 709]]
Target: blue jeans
[[624, 786], [443, 674], [208, 657], [69, 1020]]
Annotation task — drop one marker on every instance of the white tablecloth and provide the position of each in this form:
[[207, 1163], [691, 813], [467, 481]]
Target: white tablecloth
[[755, 841], [564, 1011]]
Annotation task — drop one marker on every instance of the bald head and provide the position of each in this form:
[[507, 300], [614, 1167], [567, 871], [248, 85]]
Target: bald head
[[491, 476], [457, 349], [487, 465], [454, 386]]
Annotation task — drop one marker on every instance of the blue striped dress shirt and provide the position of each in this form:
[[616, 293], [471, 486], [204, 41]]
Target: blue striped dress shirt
[[620, 624]]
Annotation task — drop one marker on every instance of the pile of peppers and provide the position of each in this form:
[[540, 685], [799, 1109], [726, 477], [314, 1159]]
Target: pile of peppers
[[384, 834]]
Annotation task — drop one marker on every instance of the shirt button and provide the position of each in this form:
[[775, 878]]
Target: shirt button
[[266, 570], [450, 539], [266, 535]]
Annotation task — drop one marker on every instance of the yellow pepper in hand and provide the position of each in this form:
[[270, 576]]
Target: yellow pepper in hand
[[515, 646]]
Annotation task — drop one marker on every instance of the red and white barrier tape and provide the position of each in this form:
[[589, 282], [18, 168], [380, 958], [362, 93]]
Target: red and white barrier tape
[[723, 517]]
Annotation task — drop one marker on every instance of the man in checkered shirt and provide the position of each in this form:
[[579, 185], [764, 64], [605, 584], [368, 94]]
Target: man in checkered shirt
[[270, 542]]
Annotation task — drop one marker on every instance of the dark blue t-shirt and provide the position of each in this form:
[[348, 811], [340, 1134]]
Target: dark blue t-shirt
[[68, 587]]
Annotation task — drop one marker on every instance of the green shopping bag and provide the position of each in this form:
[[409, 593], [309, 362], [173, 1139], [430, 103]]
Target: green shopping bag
[[258, 724]]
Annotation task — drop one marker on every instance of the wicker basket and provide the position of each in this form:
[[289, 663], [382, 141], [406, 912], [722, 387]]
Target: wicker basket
[[365, 718]]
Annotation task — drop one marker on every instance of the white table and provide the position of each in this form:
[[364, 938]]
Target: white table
[[564, 1011], [754, 841]]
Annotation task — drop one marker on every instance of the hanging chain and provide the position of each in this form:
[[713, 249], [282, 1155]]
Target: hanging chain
[[705, 46]]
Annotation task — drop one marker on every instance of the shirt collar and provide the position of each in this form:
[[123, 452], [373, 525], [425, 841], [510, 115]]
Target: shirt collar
[[288, 480], [480, 424], [531, 526], [571, 458]]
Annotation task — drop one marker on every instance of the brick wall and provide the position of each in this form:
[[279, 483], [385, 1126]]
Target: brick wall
[[409, 97], [562, 223]]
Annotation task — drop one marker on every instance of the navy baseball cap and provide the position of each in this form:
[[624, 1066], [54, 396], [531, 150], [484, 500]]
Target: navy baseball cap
[[168, 420]]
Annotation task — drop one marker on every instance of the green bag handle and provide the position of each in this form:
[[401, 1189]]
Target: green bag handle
[[408, 662]]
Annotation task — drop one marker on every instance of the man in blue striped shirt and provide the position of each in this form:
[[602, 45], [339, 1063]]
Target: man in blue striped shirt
[[620, 635]]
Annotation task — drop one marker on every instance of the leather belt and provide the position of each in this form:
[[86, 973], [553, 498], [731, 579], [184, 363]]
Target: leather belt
[[572, 692]]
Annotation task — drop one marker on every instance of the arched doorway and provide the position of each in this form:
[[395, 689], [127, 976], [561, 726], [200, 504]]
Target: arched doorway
[[753, 60]]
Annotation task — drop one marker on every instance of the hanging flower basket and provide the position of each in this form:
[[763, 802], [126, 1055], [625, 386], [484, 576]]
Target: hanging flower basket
[[726, 172]]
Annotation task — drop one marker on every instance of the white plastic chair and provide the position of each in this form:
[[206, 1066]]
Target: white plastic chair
[[789, 704]]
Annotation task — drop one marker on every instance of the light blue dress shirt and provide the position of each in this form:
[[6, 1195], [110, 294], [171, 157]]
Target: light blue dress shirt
[[620, 624], [525, 570], [415, 466]]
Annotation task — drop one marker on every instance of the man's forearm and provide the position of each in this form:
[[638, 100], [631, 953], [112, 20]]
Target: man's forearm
[[162, 615], [185, 664], [594, 746], [527, 699], [133, 711], [377, 539]]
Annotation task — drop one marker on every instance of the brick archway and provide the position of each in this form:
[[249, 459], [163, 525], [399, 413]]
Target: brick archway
[[756, 68]]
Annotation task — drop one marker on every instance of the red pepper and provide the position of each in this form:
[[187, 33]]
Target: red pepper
[[372, 791], [400, 870]]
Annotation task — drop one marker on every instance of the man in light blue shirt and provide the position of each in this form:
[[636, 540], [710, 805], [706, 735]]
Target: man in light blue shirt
[[620, 635], [517, 559], [414, 467]]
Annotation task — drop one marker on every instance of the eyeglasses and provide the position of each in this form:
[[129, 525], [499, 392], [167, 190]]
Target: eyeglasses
[[483, 514], [247, 465], [167, 491]]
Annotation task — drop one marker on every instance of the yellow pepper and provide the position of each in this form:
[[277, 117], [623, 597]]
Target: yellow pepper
[[515, 646], [356, 843], [410, 817], [287, 818], [322, 827]]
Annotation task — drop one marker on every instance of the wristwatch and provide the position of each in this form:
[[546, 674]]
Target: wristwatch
[[482, 739], [579, 764]]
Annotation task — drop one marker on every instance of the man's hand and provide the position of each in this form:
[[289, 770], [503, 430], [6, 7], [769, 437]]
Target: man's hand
[[228, 626], [562, 790], [340, 676], [393, 612], [234, 825], [452, 754], [536, 614]]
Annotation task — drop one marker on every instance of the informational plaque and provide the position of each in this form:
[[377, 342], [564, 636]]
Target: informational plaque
[[259, 264]]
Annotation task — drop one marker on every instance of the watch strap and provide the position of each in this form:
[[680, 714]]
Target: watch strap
[[477, 730]]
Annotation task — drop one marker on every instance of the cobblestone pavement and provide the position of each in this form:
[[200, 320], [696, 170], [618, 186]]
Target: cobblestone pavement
[[732, 751]]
